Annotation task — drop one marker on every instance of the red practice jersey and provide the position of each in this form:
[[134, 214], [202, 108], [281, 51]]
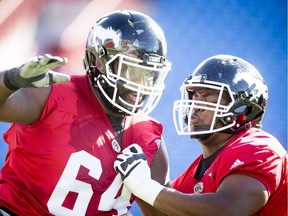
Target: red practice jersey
[[253, 153], [62, 164]]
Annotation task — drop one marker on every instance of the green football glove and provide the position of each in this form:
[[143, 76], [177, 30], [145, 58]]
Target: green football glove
[[36, 73]]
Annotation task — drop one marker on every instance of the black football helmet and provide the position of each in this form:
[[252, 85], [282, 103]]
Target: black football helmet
[[232, 76], [126, 60]]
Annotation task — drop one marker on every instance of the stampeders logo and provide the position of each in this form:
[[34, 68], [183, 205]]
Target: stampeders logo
[[198, 188]]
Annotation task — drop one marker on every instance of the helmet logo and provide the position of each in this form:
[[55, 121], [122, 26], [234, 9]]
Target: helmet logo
[[105, 37]]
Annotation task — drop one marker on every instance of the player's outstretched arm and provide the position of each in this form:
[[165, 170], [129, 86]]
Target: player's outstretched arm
[[21, 95], [231, 198]]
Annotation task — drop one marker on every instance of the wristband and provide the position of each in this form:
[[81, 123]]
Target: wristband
[[7, 76], [148, 191]]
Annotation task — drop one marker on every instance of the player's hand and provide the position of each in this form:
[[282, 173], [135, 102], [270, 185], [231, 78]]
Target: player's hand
[[36, 73], [131, 158], [136, 175]]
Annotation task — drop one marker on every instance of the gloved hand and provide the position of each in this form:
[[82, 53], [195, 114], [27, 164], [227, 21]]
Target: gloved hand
[[36, 73], [136, 175]]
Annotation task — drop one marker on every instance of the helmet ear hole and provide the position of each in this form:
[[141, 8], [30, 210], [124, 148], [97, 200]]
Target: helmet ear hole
[[89, 62], [92, 61], [248, 110], [86, 62], [253, 112]]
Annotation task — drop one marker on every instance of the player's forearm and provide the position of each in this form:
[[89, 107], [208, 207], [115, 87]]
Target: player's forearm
[[21, 106], [172, 202], [148, 210], [4, 91]]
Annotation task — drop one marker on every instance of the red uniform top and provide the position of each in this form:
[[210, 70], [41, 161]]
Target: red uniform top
[[62, 164], [253, 153]]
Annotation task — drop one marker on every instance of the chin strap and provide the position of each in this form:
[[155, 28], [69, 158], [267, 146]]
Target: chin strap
[[201, 136], [99, 80], [246, 126], [106, 103]]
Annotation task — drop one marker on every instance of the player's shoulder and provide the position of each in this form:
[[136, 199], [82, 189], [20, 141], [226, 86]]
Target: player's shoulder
[[254, 141], [76, 84], [79, 81], [144, 124], [142, 118], [78, 77]]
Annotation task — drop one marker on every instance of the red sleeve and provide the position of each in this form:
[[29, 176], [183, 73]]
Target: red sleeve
[[145, 132], [259, 157]]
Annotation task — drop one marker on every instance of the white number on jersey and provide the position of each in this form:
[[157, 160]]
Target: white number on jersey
[[68, 183]]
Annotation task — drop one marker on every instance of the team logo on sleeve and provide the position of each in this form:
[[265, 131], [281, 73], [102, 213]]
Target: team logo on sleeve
[[116, 146], [198, 188], [236, 163]]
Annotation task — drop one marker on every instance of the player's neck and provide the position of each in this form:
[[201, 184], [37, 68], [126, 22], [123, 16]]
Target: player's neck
[[106, 110], [215, 142], [103, 105]]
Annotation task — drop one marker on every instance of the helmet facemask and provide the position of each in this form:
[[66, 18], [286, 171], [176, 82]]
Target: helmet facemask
[[133, 84], [184, 108]]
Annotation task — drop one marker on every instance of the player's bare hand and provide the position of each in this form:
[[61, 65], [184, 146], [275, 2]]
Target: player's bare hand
[[36, 73]]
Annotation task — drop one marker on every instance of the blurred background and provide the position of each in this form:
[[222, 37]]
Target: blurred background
[[255, 30]]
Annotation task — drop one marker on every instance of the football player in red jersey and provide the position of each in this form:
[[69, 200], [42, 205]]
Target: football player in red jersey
[[242, 170], [67, 131]]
